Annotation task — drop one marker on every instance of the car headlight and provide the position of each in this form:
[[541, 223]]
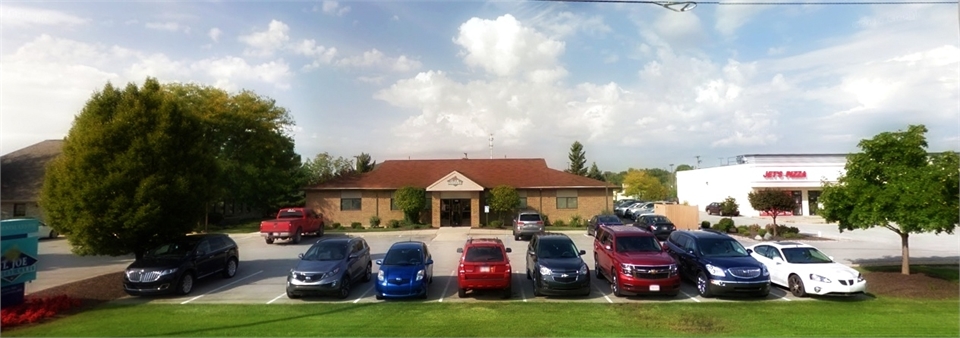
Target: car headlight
[[545, 271], [820, 278], [584, 270], [167, 271], [420, 275], [859, 278], [763, 269], [673, 269], [331, 273], [380, 275], [626, 268], [716, 271]]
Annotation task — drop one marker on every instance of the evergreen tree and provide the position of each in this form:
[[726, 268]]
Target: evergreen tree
[[578, 159], [595, 172]]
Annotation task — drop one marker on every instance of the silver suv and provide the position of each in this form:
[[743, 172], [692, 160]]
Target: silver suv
[[527, 223]]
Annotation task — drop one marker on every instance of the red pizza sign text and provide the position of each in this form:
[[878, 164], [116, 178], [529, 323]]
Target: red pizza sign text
[[785, 174]]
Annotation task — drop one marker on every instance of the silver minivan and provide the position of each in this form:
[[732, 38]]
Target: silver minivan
[[526, 224]]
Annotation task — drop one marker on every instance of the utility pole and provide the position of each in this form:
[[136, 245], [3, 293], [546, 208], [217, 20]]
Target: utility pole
[[491, 146], [698, 161]]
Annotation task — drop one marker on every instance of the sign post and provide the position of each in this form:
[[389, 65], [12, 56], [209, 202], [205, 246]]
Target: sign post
[[18, 257]]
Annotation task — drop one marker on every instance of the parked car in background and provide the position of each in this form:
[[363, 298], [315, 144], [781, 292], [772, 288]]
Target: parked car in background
[[621, 205], [634, 262], [659, 225], [330, 266], [174, 267], [405, 271], [292, 223], [601, 220], [718, 264], [484, 265], [556, 267], [713, 208], [526, 224], [45, 231], [636, 209], [806, 270]]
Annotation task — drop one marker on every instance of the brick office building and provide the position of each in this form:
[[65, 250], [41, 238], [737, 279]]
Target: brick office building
[[457, 191]]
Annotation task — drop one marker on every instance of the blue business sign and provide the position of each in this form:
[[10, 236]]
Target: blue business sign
[[18, 258]]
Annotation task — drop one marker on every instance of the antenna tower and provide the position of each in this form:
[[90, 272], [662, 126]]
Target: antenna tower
[[491, 146]]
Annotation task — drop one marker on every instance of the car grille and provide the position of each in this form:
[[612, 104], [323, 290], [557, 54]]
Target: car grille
[[143, 276], [308, 277], [846, 282], [571, 276], [398, 281], [745, 272], [651, 272]]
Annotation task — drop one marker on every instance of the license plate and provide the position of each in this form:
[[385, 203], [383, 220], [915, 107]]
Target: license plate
[[484, 269], [654, 287]]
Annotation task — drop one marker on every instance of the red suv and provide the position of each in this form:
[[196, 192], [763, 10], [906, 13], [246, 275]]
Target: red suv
[[484, 265], [634, 262]]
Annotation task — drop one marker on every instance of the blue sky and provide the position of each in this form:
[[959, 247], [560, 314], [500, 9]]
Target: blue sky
[[638, 85]]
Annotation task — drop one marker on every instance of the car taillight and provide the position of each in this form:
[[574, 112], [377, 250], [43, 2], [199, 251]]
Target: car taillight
[[539, 222], [461, 268]]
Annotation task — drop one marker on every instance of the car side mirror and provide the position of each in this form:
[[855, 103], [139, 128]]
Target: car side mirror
[[300, 256], [583, 252], [749, 251], [459, 250], [379, 262], [509, 250], [532, 254], [691, 252], [354, 255], [429, 261]]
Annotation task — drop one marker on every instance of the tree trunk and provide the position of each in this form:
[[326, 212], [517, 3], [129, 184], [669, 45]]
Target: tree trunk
[[775, 212], [905, 253]]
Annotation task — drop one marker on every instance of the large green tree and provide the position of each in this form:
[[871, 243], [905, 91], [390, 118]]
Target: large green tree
[[773, 202], [578, 159], [249, 135], [364, 163], [594, 172], [325, 167], [642, 185], [614, 178], [684, 167], [895, 183], [136, 170], [504, 199], [412, 201]]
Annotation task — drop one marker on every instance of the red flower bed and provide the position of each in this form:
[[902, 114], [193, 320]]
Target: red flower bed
[[35, 309]]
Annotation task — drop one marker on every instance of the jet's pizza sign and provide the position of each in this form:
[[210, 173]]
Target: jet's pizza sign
[[791, 175]]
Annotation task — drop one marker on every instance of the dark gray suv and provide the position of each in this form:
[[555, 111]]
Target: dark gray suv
[[555, 266], [526, 224], [330, 266]]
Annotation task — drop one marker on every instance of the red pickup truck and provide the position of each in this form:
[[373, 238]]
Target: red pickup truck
[[292, 223]]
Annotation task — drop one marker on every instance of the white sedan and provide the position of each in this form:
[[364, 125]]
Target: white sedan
[[805, 270]]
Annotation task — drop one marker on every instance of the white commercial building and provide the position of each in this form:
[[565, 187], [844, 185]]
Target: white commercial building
[[802, 175]]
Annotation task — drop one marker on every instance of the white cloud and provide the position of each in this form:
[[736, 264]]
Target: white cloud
[[228, 71], [564, 23], [375, 59], [504, 47], [334, 8], [265, 43], [15, 16], [321, 55], [168, 26], [731, 18], [214, 34]]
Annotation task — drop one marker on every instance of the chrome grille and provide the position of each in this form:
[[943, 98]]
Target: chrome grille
[[143, 276], [846, 282], [745, 272], [651, 272]]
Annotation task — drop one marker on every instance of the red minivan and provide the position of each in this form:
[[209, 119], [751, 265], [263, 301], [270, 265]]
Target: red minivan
[[634, 262], [484, 265]]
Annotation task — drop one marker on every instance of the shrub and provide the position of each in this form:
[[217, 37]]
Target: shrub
[[33, 310], [729, 207], [374, 221], [705, 224], [576, 221], [417, 226], [783, 231], [496, 223], [724, 225], [762, 232], [393, 223], [356, 225], [559, 223], [743, 230], [335, 225], [546, 220]]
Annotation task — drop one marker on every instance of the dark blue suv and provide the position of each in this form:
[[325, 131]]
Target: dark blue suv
[[718, 263]]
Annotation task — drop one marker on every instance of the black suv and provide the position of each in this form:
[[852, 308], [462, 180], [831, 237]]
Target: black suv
[[659, 225], [554, 264], [718, 264], [173, 267], [330, 266]]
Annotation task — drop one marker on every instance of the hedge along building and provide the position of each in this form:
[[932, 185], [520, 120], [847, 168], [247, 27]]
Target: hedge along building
[[800, 175], [457, 191]]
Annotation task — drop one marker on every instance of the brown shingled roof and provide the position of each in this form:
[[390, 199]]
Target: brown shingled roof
[[489, 173], [22, 171]]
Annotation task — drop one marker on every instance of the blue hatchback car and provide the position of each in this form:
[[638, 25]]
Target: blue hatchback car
[[405, 271]]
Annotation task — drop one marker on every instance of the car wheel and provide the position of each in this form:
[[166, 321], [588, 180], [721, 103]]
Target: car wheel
[[296, 236], [536, 290], [507, 293], [703, 285], [596, 267], [615, 284], [53, 234], [292, 295], [320, 233], [378, 296], [230, 269], [186, 284], [269, 240], [462, 293], [367, 273], [796, 286], [424, 295], [528, 274], [344, 288]]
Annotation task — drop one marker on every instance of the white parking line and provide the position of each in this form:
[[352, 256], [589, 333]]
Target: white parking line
[[604, 295], [218, 289], [689, 296], [445, 288], [278, 297], [364, 294]]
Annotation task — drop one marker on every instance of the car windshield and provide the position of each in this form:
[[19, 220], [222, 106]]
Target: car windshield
[[530, 217], [483, 254], [805, 256], [326, 251], [176, 249], [608, 219], [721, 248], [290, 214], [557, 249], [638, 244], [657, 219], [404, 256]]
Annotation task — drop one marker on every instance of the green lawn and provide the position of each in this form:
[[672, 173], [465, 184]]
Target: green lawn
[[947, 272], [830, 317]]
